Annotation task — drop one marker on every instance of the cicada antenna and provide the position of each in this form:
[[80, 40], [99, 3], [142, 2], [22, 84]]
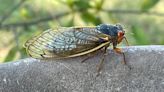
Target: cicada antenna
[[127, 32]]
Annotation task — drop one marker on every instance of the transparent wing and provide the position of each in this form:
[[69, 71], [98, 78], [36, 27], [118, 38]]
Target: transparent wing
[[64, 42]]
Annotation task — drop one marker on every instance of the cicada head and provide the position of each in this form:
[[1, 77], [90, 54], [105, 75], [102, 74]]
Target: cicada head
[[116, 32], [120, 33]]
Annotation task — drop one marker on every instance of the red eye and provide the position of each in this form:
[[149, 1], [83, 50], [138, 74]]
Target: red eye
[[123, 33], [120, 34]]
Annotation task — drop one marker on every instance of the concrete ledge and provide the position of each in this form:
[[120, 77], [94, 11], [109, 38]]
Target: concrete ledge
[[70, 75]]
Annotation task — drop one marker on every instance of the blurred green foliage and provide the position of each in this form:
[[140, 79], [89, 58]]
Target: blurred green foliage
[[22, 19], [147, 4]]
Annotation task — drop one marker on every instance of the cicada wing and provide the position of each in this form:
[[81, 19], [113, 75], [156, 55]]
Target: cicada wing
[[36, 47], [64, 42]]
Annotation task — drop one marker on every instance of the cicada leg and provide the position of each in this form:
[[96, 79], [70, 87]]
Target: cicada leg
[[100, 65], [127, 43], [118, 50]]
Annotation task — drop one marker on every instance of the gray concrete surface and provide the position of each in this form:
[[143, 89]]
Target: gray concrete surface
[[70, 75]]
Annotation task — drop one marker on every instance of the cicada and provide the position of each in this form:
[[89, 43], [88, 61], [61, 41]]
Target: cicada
[[67, 42]]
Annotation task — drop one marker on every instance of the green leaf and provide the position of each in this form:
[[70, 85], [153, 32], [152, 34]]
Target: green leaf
[[82, 4], [78, 4], [90, 18], [99, 4], [139, 35], [5, 6], [147, 4], [70, 3], [11, 55]]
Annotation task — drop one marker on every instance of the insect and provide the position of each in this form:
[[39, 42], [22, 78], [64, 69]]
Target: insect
[[67, 42]]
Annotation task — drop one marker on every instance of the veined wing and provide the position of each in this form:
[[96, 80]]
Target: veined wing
[[66, 42]]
